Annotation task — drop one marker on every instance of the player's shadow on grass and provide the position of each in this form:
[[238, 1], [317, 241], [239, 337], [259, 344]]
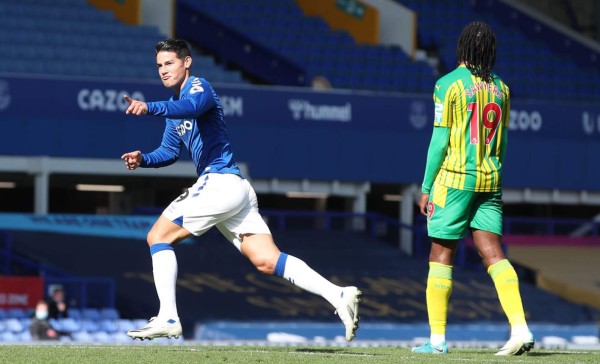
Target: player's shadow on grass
[[339, 351], [540, 353]]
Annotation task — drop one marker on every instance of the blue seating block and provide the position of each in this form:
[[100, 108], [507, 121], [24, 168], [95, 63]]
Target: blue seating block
[[90, 313], [14, 325], [8, 336], [90, 325], [108, 325], [109, 313], [17, 313], [68, 325]]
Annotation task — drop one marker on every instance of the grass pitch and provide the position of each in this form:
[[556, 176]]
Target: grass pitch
[[245, 354]]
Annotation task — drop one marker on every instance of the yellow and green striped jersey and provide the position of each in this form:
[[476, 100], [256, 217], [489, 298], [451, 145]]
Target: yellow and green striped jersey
[[477, 115]]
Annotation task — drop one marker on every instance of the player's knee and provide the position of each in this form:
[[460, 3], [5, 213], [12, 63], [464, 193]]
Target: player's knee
[[153, 237], [492, 259], [264, 265]]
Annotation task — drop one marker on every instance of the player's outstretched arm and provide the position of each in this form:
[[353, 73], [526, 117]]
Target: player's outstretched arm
[[132, 159], [136, 107]]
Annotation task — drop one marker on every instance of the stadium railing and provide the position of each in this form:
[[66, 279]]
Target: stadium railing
[[87, 292]]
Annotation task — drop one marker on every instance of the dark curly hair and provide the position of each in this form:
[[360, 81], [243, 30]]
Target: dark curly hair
[[477, 49]]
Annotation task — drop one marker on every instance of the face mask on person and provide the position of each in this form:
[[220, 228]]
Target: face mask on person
[[41, 315]]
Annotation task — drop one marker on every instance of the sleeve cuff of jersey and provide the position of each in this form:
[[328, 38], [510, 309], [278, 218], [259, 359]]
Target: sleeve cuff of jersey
[[151, 108], [143, 163], [425, 190]]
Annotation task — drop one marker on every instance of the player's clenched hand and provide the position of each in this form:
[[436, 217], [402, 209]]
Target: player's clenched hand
[[423, 203], [135, 107], [132, 159]]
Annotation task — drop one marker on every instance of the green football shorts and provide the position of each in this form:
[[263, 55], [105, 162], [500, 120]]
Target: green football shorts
[[450, 212]]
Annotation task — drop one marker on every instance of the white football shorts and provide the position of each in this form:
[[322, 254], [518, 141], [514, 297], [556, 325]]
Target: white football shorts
[[226, 201]]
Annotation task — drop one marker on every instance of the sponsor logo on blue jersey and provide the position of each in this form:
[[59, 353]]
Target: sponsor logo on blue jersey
[[184, 127]]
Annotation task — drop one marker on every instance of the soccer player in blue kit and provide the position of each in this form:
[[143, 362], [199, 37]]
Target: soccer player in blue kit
[[221, 197]]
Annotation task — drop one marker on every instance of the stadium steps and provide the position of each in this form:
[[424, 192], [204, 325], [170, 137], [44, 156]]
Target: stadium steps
[[566, 266]]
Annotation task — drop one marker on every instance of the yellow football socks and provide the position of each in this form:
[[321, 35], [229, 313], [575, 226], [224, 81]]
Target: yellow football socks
[[507, 285], [439, 287]]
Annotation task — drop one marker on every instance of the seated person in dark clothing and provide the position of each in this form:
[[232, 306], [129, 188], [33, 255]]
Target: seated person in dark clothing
[[40, 328], [57, 307]]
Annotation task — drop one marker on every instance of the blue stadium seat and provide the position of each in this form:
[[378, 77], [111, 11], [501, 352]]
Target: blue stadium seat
[[68, 324], [102, 337], [16, 313], [25, 322], [125, 325], [8, 337], [25, 336], [14, 325], [74, 313], [109, 313], [90, 313], [90, 325], [83, 337], [108, 325]]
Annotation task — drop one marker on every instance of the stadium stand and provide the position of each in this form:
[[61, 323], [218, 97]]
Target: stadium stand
[[43, 35], [533, 67], [73, 38], [71, 30], [392, 282], [309, 41]]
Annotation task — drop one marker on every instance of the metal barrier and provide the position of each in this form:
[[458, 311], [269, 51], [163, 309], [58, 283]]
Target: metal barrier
[[83, 292]]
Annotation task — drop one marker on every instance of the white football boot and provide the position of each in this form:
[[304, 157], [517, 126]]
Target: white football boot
[[155, 329], [348, 310], [517, 345]]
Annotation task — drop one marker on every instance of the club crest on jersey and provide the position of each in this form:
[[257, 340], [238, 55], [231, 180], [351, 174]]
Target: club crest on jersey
[[184, 127]]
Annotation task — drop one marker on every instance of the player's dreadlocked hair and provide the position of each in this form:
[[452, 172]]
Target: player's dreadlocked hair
[[173, 45], [477, 49]]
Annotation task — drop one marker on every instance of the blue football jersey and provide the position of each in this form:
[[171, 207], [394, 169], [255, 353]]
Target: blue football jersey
[[194, 119]]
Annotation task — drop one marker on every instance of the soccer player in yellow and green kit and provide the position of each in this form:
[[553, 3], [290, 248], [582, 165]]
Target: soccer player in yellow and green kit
[[462, 185]]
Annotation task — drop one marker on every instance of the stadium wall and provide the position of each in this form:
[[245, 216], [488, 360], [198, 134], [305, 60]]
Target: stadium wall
[[296, 133]]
